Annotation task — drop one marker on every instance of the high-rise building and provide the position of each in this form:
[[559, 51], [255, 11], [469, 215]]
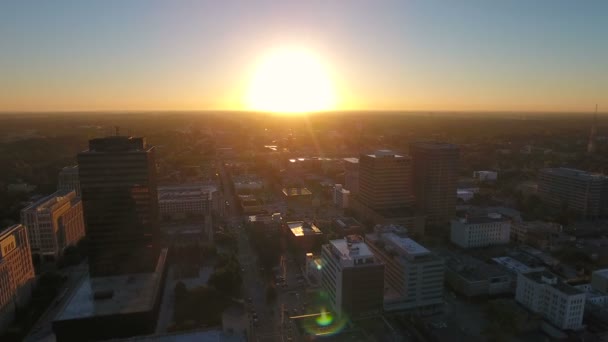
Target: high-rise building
[[413, 275], [341, 196], [53, 223], [480, 231], [119, 196], [351, 175], [435, 174], [385, 180], [16, 272], [574, 190], [352, 278], [68, 179], [545, 294]]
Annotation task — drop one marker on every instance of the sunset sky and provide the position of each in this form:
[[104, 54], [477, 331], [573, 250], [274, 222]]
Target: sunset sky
[[526, 55]]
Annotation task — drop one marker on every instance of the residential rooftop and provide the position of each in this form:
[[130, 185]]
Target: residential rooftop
[[114, 295], [301, 228]]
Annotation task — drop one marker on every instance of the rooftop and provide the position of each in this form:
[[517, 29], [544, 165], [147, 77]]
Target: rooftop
[[290, 192], [352, 160], [301, 228], [385, 154], [516, 265], [435, 145], [48, 202], [187, 336], [351, 247], [548, 278], [602, 272], [474, 269], [347, 221], [480, 219], [185, 192], [573, 173], [116, 295], [406, 246]]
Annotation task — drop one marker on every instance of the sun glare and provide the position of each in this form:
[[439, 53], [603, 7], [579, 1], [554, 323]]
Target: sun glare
[[291, 81]]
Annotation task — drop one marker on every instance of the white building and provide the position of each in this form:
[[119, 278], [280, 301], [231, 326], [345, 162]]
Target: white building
[[341, 196], [485, 176], [593, 296], [352, 277], [413, 276], [480, 231], [53, 223], [544, 293], [68, 179], [182, 201]]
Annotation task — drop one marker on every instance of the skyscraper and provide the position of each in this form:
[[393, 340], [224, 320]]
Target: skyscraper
[[385, 180], [118, 184], [435, 174], [68, 179]]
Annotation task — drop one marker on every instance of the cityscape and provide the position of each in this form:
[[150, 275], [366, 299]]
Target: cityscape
[[140, 201]]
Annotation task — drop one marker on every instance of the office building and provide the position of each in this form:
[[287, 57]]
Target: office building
[[109, 307], [583, 193], [184, 201], [341, 196], [480, 231], [304, 237], [119, 197], [351, 175], [413, 275], [435, 175], [545, 294], [344, 226], [352, 278], [385, 180], [68, 179], [53, 223], [16, 272]]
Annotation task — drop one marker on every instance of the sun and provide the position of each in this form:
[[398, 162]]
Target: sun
[[291, 81]]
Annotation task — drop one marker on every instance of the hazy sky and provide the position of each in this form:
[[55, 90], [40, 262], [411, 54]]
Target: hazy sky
[[410, 55]]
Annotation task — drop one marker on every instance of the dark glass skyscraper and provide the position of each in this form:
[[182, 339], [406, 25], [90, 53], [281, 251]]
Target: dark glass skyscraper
[[118, 184], [435, 169]]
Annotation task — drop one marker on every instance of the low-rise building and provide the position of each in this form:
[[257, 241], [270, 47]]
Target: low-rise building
[[185, 201], [471, 277], [53, 223], [304, 236], [413, 275], [16, 272], [519, 265], [352, 277], [540, 234], [250, 204], [593, 296], [247, 183], [485, 176], [480, 231], [296, 197], [344, 226], [543, 293], [341, 196], [109, 307], [408, 217]]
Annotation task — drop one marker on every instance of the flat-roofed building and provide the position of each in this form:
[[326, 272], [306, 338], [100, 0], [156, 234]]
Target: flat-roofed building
[[579, 191], [385, 180], [352, 277], [184, 201], [471, 277], [435, 175], [16, 272], [297, 197], [54, 223], [109, 307], [344, 226], [341, 196], [480, 231], [413, 275], [304, 237], [68, 179], [560, 304]]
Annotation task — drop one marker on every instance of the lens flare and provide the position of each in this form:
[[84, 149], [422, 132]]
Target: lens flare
[[325, 318]]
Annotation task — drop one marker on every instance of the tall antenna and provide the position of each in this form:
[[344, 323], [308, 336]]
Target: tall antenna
[[591, 143]]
